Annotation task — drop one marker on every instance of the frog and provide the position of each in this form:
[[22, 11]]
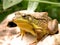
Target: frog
[[38, 24]]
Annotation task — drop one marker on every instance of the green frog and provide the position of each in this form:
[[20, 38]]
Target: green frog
[[38, 24]]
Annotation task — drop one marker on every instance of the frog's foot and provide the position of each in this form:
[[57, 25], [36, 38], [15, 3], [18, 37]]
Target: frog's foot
[[34, 43], [53, 26], [22, 34]]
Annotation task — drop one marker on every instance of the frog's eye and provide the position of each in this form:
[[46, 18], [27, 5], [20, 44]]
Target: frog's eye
[[24, 16], [28, 17]]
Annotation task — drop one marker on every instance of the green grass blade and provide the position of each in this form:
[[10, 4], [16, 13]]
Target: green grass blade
[[48, 2], [32, 5]]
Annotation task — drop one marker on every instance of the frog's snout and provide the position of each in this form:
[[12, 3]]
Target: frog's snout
[[53, 26]]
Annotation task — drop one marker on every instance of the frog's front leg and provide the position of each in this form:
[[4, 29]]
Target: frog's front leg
[[21, 33], [53, 26]]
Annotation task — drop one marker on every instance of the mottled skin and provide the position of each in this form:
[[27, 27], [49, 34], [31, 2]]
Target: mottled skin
[[37, 24]]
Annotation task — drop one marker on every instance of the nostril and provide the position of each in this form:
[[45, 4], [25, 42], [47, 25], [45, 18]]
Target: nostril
[[11, 24]]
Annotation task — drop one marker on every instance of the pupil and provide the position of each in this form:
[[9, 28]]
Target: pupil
[[24, 16]]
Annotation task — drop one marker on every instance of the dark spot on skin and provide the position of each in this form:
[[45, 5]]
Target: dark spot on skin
[[13, 32], [57, 32], [11, 24], [4, 31]]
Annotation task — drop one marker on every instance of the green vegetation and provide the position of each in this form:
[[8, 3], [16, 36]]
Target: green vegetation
[[50, 6]]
